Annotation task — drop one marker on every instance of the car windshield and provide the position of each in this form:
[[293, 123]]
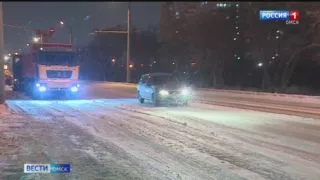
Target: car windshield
[[57, 58], [158, 80]]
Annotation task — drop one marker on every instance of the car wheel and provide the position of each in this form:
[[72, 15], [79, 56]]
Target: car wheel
[[141, 100], [155, 100], [186, 103]]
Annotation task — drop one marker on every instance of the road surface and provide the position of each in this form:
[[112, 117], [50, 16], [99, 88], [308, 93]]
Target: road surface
[[108, 135]]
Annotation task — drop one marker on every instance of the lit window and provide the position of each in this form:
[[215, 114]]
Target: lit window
[[234, 39], [177, 14], [237, 27], [238, 33]]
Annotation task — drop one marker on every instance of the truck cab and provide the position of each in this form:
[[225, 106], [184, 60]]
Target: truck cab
[[46, 69]]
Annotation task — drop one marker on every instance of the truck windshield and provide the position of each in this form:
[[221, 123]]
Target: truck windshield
[[57, 58]]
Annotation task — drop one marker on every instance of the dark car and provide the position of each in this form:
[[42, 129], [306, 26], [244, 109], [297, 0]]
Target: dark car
[[162, 88]]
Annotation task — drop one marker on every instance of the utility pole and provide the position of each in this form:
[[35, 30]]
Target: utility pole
[[128, 42], [2, 98], [70, 35], [128, 33]]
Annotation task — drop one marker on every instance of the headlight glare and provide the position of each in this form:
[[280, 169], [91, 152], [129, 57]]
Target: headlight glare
[[163, 92]]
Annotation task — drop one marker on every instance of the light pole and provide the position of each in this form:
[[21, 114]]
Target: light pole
[[2, 98], [128, 32], [128, 42], [70, 31]]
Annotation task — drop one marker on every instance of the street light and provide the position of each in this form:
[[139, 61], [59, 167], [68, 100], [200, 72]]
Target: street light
[[130, 66], [113, 60], [70, 31], [260, 64], [6, 58], [36, 39]]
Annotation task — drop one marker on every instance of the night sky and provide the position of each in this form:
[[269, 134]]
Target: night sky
[[83, 17]]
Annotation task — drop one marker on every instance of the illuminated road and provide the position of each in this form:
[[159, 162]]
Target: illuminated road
[[108, 135]]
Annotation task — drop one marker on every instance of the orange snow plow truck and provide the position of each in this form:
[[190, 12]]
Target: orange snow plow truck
[[48, 68]]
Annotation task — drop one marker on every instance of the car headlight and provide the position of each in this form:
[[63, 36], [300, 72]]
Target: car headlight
[[185, 91], [163, 92]]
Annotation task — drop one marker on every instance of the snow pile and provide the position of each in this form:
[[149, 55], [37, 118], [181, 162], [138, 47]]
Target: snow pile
[[4, 109]]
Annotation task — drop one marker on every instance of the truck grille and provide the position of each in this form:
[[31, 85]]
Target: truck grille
[[59, 74]]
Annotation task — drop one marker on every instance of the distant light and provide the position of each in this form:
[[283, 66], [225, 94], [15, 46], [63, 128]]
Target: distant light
[[28, 44], [9, 54], [5, 67], [278, 31], [237, 27], [130, 66], [154, 62], [277, 37], [277, 54], [260, 64], [237, 17], [51, 30], [6, 58], [142, 65], [16, 53], [238, 33], [173, 63], [41, 49], [36, 39], [273, 57], [238, 58], [237, 5], [61, 23], [234, 39], [113, 60]]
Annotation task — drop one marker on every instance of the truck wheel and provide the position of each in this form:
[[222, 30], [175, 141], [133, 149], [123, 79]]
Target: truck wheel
[[15, 88], [141, 100], [155, 100]]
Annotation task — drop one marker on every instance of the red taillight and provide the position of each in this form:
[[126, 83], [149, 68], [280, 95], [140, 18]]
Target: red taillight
[[51, 30]]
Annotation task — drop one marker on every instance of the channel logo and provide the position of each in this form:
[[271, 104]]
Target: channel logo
[[290, 17], [274, 15], [47, 168]]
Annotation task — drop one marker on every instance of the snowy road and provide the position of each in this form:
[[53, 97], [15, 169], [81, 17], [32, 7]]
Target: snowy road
[[108, 135]]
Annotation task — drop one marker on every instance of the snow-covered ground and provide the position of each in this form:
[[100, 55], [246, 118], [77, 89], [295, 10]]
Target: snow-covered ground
[[114, 137]]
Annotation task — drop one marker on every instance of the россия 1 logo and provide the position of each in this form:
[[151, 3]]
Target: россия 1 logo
[[290, 17]]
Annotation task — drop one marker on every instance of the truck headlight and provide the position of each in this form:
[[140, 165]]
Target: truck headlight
[[42, 88], [163, 92], [74, 89]]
